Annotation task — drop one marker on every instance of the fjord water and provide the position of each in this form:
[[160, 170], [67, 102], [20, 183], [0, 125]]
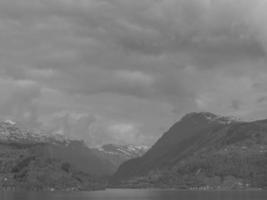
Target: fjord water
[[138, 194]]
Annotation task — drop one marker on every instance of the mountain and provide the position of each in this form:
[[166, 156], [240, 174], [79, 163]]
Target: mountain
[[200, 150], [40, 161], [126, 151], [117, 154], [11, 132], [173, 145]]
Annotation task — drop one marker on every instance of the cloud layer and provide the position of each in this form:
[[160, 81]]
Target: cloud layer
[[122, 70]]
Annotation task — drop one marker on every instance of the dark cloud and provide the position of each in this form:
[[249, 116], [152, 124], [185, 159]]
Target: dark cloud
[[132, 66]]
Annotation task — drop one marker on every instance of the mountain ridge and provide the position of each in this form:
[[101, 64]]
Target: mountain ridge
[[36, 161], [31, 155], [195, 137], [118, 154]]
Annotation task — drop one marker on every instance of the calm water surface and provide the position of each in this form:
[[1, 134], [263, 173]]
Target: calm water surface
[[125, 194]]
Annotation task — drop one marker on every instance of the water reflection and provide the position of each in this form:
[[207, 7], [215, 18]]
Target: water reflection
[[125, 194]]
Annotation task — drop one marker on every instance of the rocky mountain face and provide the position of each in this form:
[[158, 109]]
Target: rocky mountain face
[[117, 154], [11, 132], [202, 150]]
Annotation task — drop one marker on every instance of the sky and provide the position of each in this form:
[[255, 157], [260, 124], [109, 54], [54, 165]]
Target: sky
[[123, 71]]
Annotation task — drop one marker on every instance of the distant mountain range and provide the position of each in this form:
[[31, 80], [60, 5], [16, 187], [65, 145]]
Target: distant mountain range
[[11, 132], [205, 151], [51, 161], [117, 154], [201, 151]]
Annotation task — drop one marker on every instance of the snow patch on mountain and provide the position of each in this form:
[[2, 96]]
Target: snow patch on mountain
[[210, 117], [11, 132], [8, 121], [130, 151]]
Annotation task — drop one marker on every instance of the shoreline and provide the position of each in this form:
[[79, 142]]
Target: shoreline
[[191, 190]]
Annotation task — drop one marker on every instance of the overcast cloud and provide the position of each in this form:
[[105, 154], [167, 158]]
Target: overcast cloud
[[122, 71]]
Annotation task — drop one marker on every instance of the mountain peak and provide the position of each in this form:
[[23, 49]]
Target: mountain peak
[[208, 117], [9, 122], [11, 132]]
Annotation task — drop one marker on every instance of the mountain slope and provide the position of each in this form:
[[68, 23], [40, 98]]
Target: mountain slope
[[202, 151], [181, 140], [58, 147], [23, 166], [11, 132], [40, 155]]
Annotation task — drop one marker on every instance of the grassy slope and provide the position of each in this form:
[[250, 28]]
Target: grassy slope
[[228, 156], [29, 167]]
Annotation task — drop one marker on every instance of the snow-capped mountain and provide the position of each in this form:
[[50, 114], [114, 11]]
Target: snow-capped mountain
[[202, 146], [11, 132], [8, 121], [210, 117], [104, 160], [128, 151], [117, 154]]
